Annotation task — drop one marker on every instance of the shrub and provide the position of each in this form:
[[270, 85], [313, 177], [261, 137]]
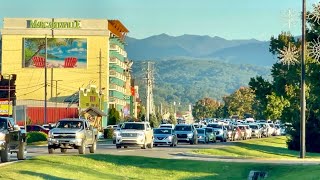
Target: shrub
[[36, 136], [107, 133]]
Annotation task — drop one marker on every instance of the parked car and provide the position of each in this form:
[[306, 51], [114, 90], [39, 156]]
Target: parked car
[[243, 130], [221, 131], [135, 134], [236, 134], [186, 133], [37, 128], [211, 134], [164, 136], [229, 132], [256, 130], [272, 129], [277, 131], [202, 135], [266, 132], [171, 126], [249, 131]]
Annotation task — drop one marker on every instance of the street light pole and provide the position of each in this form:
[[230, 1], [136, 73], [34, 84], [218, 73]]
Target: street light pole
[[303, 95], [45, 82]]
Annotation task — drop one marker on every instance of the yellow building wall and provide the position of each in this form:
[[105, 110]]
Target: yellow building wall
[[30, 81]]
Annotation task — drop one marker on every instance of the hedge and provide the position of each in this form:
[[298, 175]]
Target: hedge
[[36, 136], [108, 133]]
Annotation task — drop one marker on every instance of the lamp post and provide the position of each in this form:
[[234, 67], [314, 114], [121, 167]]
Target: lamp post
[[302, 93]]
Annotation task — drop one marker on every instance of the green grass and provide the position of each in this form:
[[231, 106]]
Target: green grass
[[127, 167], [266, 148], [39, 143]]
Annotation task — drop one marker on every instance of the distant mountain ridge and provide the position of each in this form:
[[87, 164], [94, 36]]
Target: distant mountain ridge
[[163, 46]]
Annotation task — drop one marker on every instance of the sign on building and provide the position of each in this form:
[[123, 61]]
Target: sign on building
[[89, 97]]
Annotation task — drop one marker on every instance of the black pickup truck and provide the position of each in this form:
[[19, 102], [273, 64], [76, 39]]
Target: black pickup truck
[[12, 140]]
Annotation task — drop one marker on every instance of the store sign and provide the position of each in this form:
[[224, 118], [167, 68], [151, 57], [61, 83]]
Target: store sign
[[53, 25], [5, 108], [89, 98]]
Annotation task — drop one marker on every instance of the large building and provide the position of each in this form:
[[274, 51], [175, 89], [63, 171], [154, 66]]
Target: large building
[[77, 56]]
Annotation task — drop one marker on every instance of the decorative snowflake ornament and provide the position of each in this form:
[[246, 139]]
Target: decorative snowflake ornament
[[314, 49], [291, 18], [315, 15], [289, 55]]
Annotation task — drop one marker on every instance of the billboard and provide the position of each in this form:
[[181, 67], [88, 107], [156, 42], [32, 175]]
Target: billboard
[[6, 108], [61, 53]]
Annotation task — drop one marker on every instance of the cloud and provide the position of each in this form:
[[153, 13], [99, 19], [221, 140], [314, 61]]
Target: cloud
[[76, 50]]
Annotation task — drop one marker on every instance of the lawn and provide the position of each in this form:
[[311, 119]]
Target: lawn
[[266, 148], [97, 166]]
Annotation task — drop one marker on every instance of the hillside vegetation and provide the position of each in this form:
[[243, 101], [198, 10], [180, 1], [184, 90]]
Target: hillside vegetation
[[187, 80]]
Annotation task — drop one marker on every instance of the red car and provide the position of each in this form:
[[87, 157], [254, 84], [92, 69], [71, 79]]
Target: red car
[[38, 128]]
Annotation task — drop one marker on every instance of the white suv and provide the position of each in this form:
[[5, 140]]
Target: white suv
[[135, 134]]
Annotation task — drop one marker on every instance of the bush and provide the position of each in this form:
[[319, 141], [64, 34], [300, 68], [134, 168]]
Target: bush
[[36, 137], [108, 133]]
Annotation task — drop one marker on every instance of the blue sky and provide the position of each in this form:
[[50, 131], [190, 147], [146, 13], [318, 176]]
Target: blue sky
[[230, 19]]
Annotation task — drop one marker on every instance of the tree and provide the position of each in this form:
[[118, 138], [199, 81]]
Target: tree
[[154, 123], [275, 106], [205, 108], [172, 120], [113, 116], [261, 88], [240, 102]]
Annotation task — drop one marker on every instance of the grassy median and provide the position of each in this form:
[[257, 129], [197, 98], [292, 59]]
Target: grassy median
[[127, 167], [265, 148]]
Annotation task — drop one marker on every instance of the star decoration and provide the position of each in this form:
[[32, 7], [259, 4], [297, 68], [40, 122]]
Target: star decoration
[[315, 15], [289, 55], [314, 49]]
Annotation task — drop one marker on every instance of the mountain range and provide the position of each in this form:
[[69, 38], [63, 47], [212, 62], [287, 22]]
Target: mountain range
[[190, 67], [163, 46]]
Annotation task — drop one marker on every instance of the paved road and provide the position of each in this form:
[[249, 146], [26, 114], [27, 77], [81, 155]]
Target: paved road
[[182, 151]]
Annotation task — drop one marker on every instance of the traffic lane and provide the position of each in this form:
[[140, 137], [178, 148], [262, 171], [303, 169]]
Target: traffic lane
[[108, 148]]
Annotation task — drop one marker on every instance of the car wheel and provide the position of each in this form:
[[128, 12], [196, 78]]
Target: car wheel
[[125, 147], [63, 150], [150, 145], [155, 145], [5, 154], [22, 153], [118, 147], [171, 145], [82, 148], [144, 146], [93, 148], [191, 142], [50, 150]]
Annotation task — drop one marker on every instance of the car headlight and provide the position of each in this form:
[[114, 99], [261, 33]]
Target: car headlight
[[140, 134], [170, 138], [2, 136], [200, 136], [189, 134], [50, 134]]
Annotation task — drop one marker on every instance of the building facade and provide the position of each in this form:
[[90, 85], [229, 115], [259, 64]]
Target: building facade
[[75, 53], [121, 86]]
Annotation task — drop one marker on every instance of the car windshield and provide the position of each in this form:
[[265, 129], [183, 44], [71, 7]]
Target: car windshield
[[136, 126], [183, 128], [162, 131], [200, 131], [253, 127], [209, 130], [70, 124], [214, 126]]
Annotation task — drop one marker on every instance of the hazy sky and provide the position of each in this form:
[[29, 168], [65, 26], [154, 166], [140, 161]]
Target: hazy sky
[[230, 19]]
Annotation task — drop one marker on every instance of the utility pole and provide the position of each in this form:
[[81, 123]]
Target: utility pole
[[9, 98], [56, 98], [303, 94], [149, 93], [51, 83], [100, 72], [45, 82]]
